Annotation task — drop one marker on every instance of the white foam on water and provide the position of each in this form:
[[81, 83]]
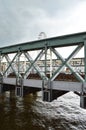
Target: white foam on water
[[66, 109]]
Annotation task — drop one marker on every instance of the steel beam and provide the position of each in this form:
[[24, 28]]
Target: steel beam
[[10, 63], [51, 63], [45, 59], [18, 63], [33, 64], [60, 41], [65, 62], [56, 85]]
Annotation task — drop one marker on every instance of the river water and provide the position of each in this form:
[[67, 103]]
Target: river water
[[31, 113]]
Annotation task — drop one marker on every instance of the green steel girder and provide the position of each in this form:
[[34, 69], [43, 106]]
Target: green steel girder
[[65, 63], [60, 41], [10, 62], [45, 59], [32, 61], [18, 60], [9, 65], [33, 64]]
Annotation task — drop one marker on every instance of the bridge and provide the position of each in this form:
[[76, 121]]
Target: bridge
[[46, 79]]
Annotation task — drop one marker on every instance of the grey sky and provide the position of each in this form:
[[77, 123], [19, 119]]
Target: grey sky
[[23, 20]]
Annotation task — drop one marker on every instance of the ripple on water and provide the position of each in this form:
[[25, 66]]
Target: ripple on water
[[31, 113]]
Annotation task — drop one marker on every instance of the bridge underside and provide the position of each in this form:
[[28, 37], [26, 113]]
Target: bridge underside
[[17, 63]]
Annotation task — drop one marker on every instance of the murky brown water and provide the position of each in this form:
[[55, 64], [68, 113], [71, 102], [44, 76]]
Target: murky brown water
[[30, 113]]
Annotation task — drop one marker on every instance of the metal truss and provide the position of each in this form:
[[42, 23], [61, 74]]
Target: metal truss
[[14, 64], [34, 64], [65, 62], [16, 60]]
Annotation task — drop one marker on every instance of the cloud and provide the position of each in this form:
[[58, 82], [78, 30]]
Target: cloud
[[23, 20]]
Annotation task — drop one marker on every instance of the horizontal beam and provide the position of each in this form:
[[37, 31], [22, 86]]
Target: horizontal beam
[[67, 86], [56, 85], [60, 41], [28, 83]]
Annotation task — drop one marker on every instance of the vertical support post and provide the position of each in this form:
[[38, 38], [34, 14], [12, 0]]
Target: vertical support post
[[5, 69], [46, 84], [45, 59], [83, 94], [19, 79], [50, 63], [24, 64], [18, 63]]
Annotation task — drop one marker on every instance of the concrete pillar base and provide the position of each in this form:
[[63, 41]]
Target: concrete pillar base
[[47, 95], [1, 88], [19, 91], [83, 101]]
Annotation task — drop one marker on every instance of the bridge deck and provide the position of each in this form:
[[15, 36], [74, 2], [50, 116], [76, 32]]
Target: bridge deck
[[56, 85]]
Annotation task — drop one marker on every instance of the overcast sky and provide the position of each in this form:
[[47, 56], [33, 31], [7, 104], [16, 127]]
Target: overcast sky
[[23, 20]]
